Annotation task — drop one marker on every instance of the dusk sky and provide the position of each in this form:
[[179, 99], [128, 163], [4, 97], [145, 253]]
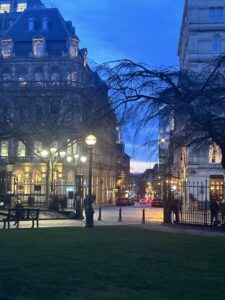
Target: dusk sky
[[145, 31]]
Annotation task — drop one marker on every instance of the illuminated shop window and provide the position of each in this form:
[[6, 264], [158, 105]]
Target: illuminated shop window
[[39, 47], [21, 151], [21, 7], [4, 8], [73, 48], [7, 48], [4, 148]]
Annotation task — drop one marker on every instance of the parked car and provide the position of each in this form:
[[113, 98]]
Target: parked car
[[149, 200], [157, 202], [143, 201], [122, 202]]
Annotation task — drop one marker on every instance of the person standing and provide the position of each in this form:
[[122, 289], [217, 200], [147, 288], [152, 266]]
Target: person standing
[[214, 209]]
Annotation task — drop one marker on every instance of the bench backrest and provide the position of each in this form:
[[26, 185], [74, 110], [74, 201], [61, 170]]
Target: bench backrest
[[24, 213]]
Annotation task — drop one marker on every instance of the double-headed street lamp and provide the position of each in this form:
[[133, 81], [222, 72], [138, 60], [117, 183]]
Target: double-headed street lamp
[[89, 211], [54, 156]]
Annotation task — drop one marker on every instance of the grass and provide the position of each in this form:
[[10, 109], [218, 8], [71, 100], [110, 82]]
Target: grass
[[109, 264]]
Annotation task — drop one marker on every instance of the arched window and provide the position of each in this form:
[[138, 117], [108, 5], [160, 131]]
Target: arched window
[[73, 48], [31, 24], [215, 155], [7, 48], [216, 43], [45, 24], [39, 47]]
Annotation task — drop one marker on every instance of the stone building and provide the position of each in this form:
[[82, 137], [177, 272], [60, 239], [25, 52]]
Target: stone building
[[122, 168], [49, 101], [202, 40]]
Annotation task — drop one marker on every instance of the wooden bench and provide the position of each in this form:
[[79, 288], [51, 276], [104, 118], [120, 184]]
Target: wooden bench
[[22, 214]]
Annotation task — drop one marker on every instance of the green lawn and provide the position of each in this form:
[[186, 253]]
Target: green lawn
[[109, 263]]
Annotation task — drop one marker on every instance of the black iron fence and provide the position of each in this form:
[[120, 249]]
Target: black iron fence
[[32, 193], [198, 203]]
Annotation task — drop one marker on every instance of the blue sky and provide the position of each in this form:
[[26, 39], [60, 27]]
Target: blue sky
[[145, 31]]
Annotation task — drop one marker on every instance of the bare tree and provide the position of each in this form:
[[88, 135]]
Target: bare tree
[[196, 101]]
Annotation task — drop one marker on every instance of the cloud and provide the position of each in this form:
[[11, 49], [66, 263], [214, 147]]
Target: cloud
[[141, 30], [140, 166]]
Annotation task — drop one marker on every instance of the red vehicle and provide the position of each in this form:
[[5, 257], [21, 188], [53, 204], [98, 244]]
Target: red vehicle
[[143, 201], [146, 201]]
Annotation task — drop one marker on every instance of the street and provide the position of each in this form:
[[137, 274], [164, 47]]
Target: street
[[131, 214]]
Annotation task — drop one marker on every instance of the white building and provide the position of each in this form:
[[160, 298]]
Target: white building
[[202, 39]]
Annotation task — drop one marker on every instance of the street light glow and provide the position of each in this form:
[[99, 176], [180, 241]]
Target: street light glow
[[83, 159], [62, 154], [91, 140], [53, 150], [44, 153], [69, 159], [76, 156]]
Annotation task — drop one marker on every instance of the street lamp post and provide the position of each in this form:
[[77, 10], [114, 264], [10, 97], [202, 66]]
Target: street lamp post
[[52, 157], [89, 211]]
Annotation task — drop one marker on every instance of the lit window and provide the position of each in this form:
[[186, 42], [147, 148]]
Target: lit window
[[216, 44], [4, 8], [31, 24], [4, 149], [37, 148], [7, 48], [73, 48], [72, 78], [45, 24], [215, 155], [21, 7], [21, 151], [69, 150], [39, 47]]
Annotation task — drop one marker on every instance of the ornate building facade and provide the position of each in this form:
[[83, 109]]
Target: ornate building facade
[[202, 40], [49, 101]]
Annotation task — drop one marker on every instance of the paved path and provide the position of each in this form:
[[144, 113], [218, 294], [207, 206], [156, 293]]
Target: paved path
[[148, 226]]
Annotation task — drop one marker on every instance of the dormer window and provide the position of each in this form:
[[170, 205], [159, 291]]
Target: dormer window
[[73, 48], [4, 8], [21, 7], [45, 24], [39, 47], [7, 48], [31, 24]]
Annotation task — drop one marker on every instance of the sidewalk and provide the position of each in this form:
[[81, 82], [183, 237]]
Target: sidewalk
[[153, 226]]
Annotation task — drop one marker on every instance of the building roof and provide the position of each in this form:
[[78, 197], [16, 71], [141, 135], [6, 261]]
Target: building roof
[[14, 25]]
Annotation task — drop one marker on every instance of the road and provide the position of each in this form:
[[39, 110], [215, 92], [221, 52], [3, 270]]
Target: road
[[131, 214]]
